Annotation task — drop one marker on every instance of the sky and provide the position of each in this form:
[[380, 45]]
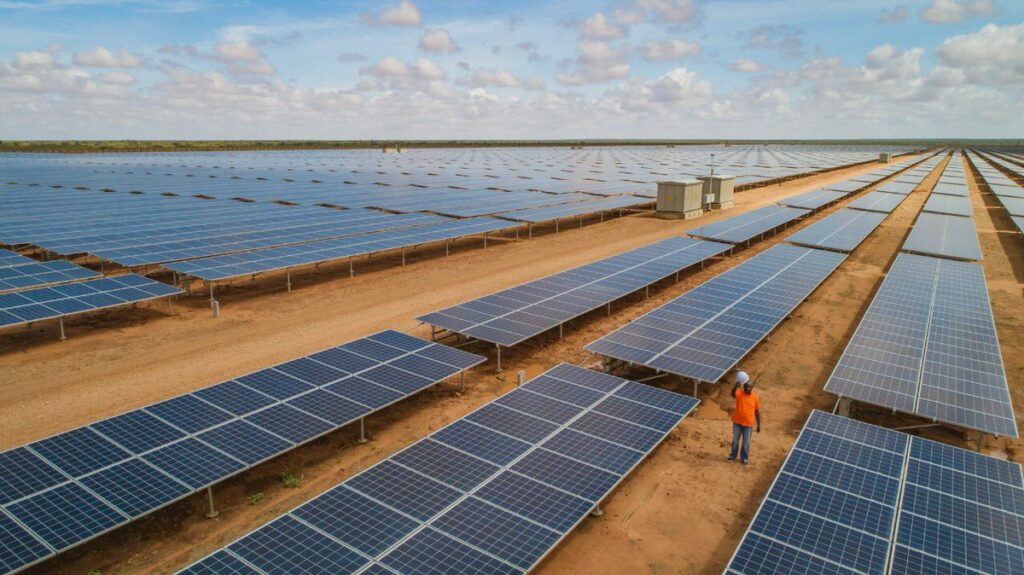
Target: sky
[[473, 69]]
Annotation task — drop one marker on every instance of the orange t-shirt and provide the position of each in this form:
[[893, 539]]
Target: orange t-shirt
[[746, 405]]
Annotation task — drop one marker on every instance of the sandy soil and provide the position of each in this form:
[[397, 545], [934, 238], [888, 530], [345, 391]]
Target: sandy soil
[[682, 511]]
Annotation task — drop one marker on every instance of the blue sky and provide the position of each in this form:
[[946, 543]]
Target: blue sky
[[416, 69]]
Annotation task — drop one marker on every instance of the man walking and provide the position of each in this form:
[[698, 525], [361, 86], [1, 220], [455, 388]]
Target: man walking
[[745, 414]]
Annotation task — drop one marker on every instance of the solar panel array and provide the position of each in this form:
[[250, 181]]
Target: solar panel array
[[944, 236], [876, 201], [492, 492], [240, 264], [814, 199], [856, 498], [66, 489], [991, 167], [60, 301], [36, 274], [843, 230], [928, 346], [706, 331], [513, 315], [544, 214], [746, 226], [9, 258], [950, 205]]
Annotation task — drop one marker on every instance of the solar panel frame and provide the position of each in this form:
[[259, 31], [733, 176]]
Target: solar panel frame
[[184, 462], [727, 292], [943, 236], [842, 231], [925, 329], [452, 523], [546, 302], [744, 227]]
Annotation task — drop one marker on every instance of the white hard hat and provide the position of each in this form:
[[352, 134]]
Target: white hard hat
[[742, 378]]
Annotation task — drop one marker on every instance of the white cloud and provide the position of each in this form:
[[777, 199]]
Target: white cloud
[[671, 11], [118, 79], [389, 73], [101, 57], [782, 37], [483, 77], [671, 49], [952, 11], [599, 27], [242, 57], [404, 14], [994, 54], [747, 65], [898, 13], [596, 62], [438, 40]]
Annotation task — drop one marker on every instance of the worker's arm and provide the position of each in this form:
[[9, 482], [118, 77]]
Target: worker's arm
[[734, 388], [757, 416]]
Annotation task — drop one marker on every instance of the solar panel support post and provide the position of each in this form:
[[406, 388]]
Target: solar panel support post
[[529, 231], [596, 511], [351, 270], [362, 431], [520, 377], [485, 240], [212, 512], [403, 257], [498, 345], [62, 336], [288, 274]]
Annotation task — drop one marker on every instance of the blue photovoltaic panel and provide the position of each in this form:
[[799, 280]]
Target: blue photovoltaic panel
[[511, 316], [928, 345], [813, 199], [847, 186], [144, 459], [576, 209], [53, 302], [877, 201], [817, 516], [951, 205], [944, 236], [842, 231], [471, 499], [706, 331], [9, 258], [857, 498], [747, 226], [42, 273], [265, 260]]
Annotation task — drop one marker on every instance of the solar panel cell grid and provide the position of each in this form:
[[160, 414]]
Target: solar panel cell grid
[[489, 502]]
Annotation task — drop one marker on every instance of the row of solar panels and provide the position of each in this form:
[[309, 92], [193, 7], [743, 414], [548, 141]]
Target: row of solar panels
[[58, 492], [1006, 190], [927, 344], [856, 498], [492, 492]]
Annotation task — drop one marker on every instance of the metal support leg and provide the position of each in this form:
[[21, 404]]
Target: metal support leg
[[560, 331], [647, 292], [403, 257], [596, 511], [695, 390], [498, 345], [556, 226], [446, 246], [351, 270], [520, 378], [289, 275], [62, 336], [213, 510], [581, 223], [609, 309], [362, 430], [529, 231], [485, 241]]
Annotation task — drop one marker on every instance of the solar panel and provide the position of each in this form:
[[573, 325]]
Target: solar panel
[[898, 187], [549, 213], [469, 498], [952, 205], [746, 226], [513, 315], [842, 231], [706, 331], [264, 260], [9, 258], [944, 236], [928, 346], [75, 485], [857, 498], [60, 301], [959, 188], [43, 273], [848, 186], [814, 199], [877, 201]]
